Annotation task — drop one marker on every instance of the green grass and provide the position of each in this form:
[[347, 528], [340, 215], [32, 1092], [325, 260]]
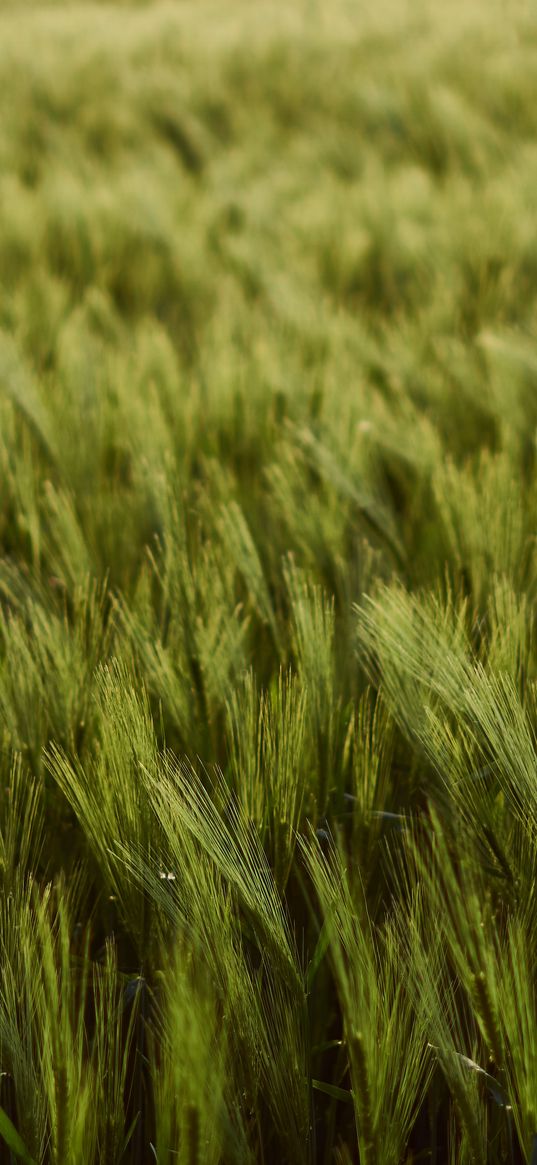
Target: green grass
[[268, 565]]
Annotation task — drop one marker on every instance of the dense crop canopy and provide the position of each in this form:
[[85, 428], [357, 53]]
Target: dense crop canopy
[[268, 559]]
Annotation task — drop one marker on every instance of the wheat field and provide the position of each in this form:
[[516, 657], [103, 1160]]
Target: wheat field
[[268, 565]]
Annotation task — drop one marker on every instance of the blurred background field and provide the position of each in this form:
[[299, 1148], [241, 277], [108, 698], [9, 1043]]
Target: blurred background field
[[268, 409]]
